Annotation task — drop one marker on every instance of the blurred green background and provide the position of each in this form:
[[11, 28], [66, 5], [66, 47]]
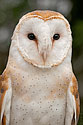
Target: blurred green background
[[12, 10]]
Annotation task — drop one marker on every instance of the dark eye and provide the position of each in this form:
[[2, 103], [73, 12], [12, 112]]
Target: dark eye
[[31, 36], [56, 36]]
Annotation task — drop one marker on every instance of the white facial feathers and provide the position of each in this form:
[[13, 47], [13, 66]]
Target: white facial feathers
[[43, 51]]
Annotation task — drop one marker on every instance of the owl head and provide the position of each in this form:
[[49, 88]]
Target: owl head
[[43, 38]]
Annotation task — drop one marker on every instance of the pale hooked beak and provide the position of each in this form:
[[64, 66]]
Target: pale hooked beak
[[44, 48], [44, 56]]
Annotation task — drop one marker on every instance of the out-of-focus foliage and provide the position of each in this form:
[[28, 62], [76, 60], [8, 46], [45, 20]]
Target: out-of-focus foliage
[[78, 39]]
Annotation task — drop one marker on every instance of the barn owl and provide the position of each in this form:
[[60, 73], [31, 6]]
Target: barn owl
[[38, 86]]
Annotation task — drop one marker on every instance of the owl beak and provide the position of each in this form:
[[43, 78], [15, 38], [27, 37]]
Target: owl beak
[[44, 56], [44, 49]]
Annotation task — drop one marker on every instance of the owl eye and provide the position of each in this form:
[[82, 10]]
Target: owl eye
[[56, 36], [31, 36]]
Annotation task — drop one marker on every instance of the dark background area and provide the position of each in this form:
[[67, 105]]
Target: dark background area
[[12, 10]]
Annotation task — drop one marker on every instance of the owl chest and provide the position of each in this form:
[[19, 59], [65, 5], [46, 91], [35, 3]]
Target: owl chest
[[37, 86], [38, 98]]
